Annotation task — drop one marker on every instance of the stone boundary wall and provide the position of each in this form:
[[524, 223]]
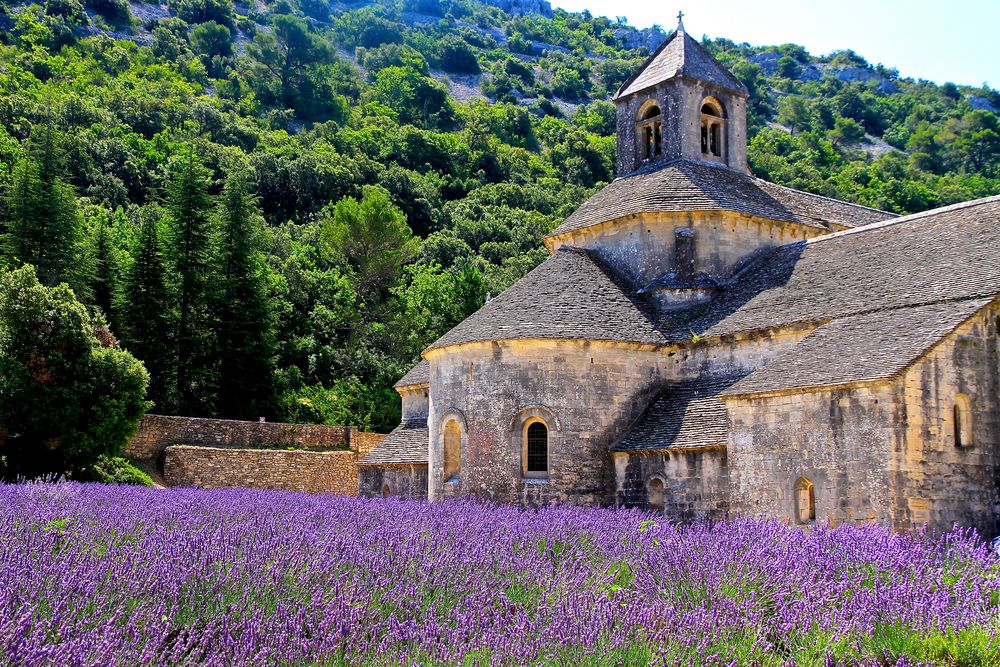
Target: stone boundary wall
[[294, 470], [157, 432]]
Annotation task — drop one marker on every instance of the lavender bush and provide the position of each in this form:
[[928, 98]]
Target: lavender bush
[[93, 575]]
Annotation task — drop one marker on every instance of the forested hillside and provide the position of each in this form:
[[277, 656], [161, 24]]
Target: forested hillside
[[276, 206]]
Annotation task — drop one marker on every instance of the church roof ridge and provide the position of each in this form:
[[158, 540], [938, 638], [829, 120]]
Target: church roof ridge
[[901, 219], [861, 271], [683, 58]]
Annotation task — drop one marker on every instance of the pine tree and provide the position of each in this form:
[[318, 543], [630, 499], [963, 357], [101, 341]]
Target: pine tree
[[246, 335], [189, 207], [147, 317], [46, 226], [104, 276]]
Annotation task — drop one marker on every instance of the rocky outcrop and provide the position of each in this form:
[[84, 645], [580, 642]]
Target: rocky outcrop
[[523, 6]]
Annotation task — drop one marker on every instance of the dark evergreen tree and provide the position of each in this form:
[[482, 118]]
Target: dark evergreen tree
[[104, 278], [189, 207], [147, 317], [246, 337], [46, 226]]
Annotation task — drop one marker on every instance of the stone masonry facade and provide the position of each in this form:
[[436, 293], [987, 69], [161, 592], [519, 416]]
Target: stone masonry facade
[[702, 343]]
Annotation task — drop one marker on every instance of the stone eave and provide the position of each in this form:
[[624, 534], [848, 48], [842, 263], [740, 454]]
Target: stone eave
[[403, 388], [376, 464], [695, 215], [889, 378], [811, 389], [433, 352], [669, 450]]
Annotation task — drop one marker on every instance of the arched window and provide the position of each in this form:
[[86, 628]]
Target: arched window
[[654, 494], [536, 449], [962, 421], [805, 500], [452, 449], [385, 491], [713, 125], [650, 131]]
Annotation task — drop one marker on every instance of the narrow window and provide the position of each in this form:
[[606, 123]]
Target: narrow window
[[385, 491], [962, 421], [537, 449], [654, 494], [650, 129], [713, 125], [452, 449], [805, 500]]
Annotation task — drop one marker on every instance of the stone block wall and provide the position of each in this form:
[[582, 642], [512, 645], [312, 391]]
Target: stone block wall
[[294, 470], [156, 432], [641, 247], [402, 481], [695, 483], [936, 480], [838, 439], [588, 394]]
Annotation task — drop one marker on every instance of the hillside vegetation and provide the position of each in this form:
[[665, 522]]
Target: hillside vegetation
[[278, 205]]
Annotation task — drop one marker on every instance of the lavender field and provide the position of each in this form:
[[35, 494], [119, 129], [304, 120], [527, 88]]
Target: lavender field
[[93, 575]]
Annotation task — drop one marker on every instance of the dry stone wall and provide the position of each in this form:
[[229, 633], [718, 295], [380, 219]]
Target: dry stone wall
[[294, 470], [215, 453], [156, 432]]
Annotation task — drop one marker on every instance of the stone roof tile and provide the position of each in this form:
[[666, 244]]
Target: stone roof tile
[[859, 348], [571, 295], [683, 185], [680, 55], [949, 254], [419, 374], [406, 444], [686, 415]]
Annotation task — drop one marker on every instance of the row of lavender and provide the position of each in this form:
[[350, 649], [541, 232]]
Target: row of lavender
[[93, 575]]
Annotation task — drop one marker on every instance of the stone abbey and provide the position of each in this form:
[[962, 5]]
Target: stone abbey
[[704, 343]]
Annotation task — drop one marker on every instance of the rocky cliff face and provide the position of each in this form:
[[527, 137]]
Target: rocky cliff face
[[522, 6]]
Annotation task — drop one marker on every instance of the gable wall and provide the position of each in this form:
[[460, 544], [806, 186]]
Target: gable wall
[[595, 390], [641, 248], [840, 439], [933, 480]]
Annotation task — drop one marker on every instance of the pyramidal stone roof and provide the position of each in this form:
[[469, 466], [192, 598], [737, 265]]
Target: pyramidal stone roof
[[680, 56], [682, 185], [571, 295], [949, 254]]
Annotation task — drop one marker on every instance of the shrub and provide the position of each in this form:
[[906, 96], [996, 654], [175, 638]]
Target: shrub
[[68, 393], [115, 470]]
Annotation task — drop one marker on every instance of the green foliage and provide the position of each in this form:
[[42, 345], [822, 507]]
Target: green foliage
[[245, 316], [114, 470], [46, 225], [370, 239], [191, 242], [320, 107], [68, 393], [147, 316]]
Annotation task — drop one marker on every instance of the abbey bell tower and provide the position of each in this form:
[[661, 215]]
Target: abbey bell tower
[[681, 104]]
